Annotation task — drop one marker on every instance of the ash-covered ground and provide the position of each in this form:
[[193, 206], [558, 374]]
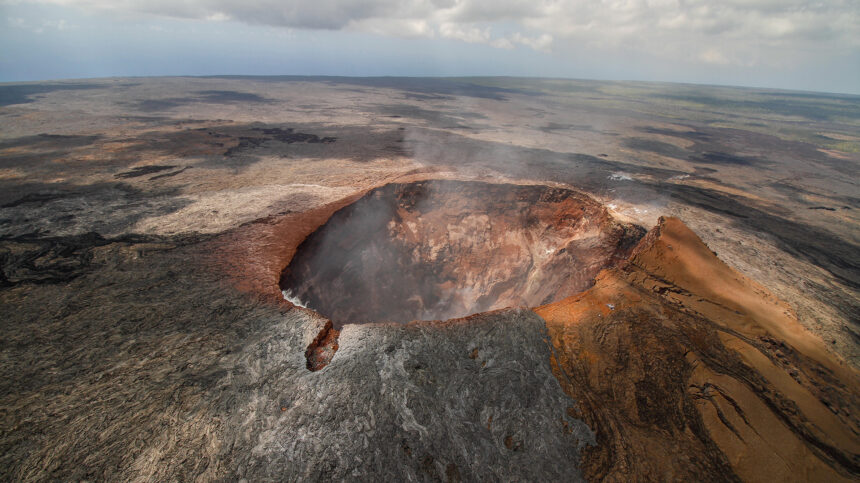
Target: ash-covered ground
[[141, 338]]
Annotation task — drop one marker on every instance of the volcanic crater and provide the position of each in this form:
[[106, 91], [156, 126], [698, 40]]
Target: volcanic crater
[[441, 249]]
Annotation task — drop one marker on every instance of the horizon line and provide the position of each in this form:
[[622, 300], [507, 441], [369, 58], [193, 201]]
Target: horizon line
[[446, 77]]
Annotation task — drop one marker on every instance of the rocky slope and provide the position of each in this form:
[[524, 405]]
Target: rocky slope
[[149, 365], [145, 225], [685, 368]]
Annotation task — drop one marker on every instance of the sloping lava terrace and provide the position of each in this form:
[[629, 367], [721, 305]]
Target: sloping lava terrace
[[442, 249]]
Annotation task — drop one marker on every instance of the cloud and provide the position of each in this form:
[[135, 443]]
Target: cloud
[[739, 32], [466, 33], [40, 27], [402, 28], [713, 56], [541, 42]]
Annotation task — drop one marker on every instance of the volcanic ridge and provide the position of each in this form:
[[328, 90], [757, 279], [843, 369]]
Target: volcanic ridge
[[667, 350]]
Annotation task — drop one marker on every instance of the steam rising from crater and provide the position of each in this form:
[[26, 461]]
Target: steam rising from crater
[[443, 249]]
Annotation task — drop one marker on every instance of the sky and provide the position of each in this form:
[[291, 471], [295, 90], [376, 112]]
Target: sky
[[790, 44]]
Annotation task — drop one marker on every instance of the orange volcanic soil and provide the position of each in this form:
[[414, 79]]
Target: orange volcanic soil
[[684, 367]]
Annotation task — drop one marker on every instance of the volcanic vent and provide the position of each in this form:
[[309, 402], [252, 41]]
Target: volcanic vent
[[440, 249]]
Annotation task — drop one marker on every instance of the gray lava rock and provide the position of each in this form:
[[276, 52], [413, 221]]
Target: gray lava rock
[[148, 366]]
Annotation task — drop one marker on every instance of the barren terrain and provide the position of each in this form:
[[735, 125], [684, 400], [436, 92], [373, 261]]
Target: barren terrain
[[149, 226]]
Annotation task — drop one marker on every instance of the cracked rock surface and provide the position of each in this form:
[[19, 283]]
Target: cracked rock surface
[[135, 363], [145, 225]]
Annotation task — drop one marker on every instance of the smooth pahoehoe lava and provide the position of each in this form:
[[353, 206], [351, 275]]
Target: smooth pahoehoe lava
[[441, 249]]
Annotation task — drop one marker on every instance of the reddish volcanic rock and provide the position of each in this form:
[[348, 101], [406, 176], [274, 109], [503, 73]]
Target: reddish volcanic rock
[[322, 349], [687, 370], [253, 256], [442, 249]]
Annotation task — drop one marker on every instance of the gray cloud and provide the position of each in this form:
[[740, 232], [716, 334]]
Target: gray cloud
[[738, 32]]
